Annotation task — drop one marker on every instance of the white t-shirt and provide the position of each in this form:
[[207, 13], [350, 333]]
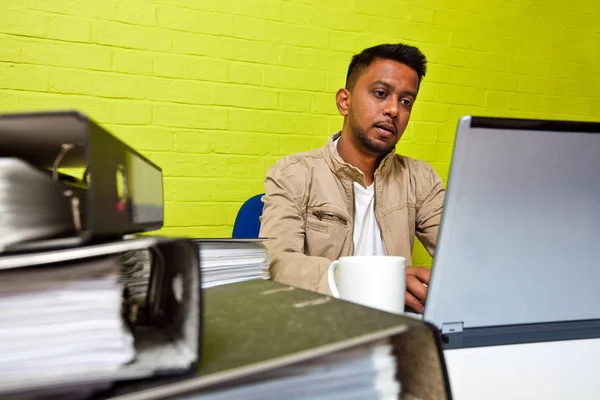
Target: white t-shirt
[[367, 234]]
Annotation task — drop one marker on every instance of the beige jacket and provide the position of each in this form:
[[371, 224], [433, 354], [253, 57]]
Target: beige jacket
[[309, 211]]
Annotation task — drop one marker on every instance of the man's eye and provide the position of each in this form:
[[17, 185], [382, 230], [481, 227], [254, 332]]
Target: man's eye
[[380, 93], [406, 102]]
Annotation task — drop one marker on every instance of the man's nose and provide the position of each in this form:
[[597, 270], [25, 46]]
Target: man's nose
[[391, 107]]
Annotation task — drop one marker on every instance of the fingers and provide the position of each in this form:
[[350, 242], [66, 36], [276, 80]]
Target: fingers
[[412, 302], [416, 288], [416, 291], [421, 273]]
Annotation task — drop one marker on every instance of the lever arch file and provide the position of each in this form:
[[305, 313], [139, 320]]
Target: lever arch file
[[119, 191]]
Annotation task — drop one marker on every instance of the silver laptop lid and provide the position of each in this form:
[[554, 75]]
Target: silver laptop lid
[[520, 235]]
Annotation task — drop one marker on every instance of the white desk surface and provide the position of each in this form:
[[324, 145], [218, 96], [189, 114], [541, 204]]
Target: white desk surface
[[550, 370]]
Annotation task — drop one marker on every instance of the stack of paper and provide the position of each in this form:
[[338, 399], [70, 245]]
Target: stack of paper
[[32, 205], [224, 261], [61, 321], [365, 372]]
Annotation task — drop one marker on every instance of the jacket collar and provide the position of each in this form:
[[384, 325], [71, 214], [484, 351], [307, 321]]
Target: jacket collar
[[347, 171]]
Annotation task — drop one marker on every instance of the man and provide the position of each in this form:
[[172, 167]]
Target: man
[[356, 196]]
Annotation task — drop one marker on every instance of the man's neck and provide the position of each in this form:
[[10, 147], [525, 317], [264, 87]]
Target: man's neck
[[350, 153]]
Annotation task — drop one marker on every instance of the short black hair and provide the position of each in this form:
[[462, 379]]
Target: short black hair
[[402, 53]]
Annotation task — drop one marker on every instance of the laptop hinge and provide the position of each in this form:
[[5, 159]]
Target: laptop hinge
[[452, 327]]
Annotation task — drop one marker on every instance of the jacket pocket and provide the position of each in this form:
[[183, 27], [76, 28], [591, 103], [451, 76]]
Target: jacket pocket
[[326, 232]]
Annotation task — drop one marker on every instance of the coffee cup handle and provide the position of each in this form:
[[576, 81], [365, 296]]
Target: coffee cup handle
[[331, 278]]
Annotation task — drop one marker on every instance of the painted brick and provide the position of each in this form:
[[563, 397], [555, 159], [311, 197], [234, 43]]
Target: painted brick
[[443, 152], [334, 124], [534, 32], [234, 190], [336, 19], [296, 13], [459, 95], [63, 54], [386, 26], [244, 143], [300, 57], [244, 50], [294, 101], [10, 100], [244, 166], [130, 112], [192, 141], [343, 41], [428, 111], [136, 12], [289, 78], [249, 28], [189, 165], [426, 93], [136, 37], [10, 48], [482, 41], [245, 73], [99, 109], [421, 151], [364, 40], [132, 61], [62, 80], [475, 22], [424, 131], [323, 103], [222, 231], [122, 86], [247, 120], [187, 116], [25, 77], [423, 33], [191, 43], [187, 91], [194, 21], [192, 214], [65, 27], [279, 122], [145, 138], [266, 9], [21, 22], [205, 5], [186, 189], [293, 144], [106, 10], [190, 67], [497, 100], [244, 96], [297, 35], [336, 80]]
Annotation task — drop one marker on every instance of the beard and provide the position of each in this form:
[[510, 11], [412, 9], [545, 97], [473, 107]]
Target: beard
[[367, 142]]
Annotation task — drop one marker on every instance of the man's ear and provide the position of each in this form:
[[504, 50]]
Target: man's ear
[[342, 99]]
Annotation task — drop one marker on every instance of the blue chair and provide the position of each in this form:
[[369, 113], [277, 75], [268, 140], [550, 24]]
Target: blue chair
[[247, 222]]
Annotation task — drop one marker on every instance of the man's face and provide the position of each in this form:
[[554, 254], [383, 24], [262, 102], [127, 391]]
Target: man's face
[[379, 105]]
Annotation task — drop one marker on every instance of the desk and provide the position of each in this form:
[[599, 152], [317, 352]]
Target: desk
[[550, 370]]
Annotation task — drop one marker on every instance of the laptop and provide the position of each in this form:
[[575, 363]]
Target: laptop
[[518, 254]]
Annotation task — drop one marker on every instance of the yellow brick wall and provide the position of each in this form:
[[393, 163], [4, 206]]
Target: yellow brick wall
[[216, 90]]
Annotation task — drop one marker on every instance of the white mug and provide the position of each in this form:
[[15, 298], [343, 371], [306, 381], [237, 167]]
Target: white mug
[[373, 281]]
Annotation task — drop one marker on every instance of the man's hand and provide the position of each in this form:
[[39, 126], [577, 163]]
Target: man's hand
[[417, 281]]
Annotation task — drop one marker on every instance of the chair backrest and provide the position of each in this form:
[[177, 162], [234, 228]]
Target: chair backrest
[[247, 221]]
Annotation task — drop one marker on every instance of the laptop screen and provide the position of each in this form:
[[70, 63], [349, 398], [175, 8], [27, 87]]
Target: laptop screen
[[520, 236]]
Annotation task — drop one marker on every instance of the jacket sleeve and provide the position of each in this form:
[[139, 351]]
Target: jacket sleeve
[[429, 209], [283, 220]]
